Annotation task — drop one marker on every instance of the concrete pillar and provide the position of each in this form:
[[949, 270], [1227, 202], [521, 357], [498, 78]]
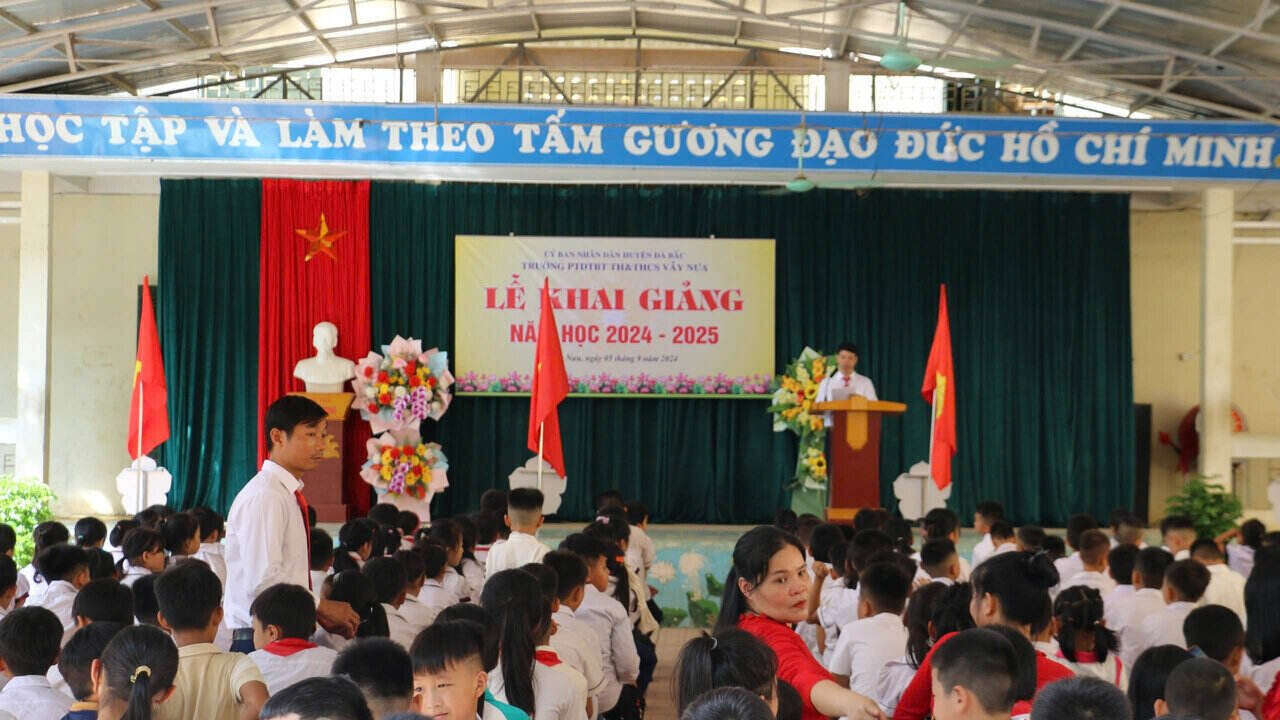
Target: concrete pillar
[[836, 73], [34, 250], [1217, 266], [427, 71]]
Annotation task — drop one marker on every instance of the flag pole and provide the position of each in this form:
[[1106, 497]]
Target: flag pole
[[933, 425], [542, 428], [138, 461]]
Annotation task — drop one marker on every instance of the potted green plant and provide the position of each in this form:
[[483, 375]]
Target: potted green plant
[[23, 505], [1212, 509]]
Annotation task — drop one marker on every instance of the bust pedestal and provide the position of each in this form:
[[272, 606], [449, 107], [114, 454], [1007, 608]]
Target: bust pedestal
[[323, 485]]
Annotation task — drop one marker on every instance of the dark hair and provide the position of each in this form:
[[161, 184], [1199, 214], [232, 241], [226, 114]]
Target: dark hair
[[1055, 547], [825, 537], [29, 640], [177, 529], [612, 529], [1176, 522], [899, 531], [125, 663], [318, 698], [790, 706], [1076, 525], [386, 540], [571, 571], [77, 656], [494, 501], [1215, 629], [546, 577], [1151, 564], [388, 577], [732, 658], [150, 516], [408, 522], [864, 545], [949, 613], [1262, 606], [446, 532], [472, 613], [939, 523], [1094, 546], [446, 643], [919, 613], [1188, 579], [1001, 530], [288, 412], [982, 662], [520, 616], [585, 546], [379, 666], [1148, 676], [145, 607], [838, 554], [608, 499], [61, 562], [8, 538], [934, 555], [353, 535], [1081, 698], [527, 499], [120, 529], [434, 559], [1129, 529], [1201, 688], [102, 566], [90, 531], [355, 589], [321, 549], [384, 514], [1079, 610], [468, 527], [1206, 549], [847, 346], [136, 542], [488, 527], [1026, 679], [990, 510], [8, 573], [751, 556], [1251, 533], [637, 512], [785, 519], [727, 703], [289, 607], [886, 587], [1031, 537], [312, 516], [210, 521], [414, 566], [1120, 563], [1020, 581], [188, 593], [104, 600]]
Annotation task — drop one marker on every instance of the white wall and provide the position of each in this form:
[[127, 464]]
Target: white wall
[[8, 317]]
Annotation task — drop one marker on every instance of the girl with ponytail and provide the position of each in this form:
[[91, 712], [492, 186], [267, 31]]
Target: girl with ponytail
[[1010, 589], [527, 675], [181, 533], [730, 658], [143, 554], [765, 593], [135, 673], [1085, 644]]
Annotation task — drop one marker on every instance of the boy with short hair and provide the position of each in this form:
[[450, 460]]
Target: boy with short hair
[[1080, 698], [987, 514], [1030, 538], [284, 618], [1003, 538], [390, 587], [1094, 549], [1178, 533], [29, 641], [212, 529], [878, 635], [1199, 688], [1128, 530], [1120, 562], [103, 600], [1184, 584], [524, 517], [1226, 586], [1069, 566], [145, 607], [1217, 632], [1146, 601], [321, 562], [939, 562], [211, 684], [383, 672], [974, 677], [574, 640], [449, 675], [75, 665]]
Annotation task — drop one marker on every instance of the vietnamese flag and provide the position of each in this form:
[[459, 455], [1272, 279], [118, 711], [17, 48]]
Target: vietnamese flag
[[940, 390], [149, 409], [550, 386]]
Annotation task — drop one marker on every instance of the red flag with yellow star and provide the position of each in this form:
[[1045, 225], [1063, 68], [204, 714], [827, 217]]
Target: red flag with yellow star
[[149, 409], [550, 387], [940, 390]]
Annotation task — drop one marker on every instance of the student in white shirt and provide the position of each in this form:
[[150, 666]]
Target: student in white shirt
[[730, 658], [449, 535], [1094, 548], [415, 569], [321, 560], [1248, 540], [845, 377], [1146, 601], [449, 678], [391, 586], [47, 534], [608, 619], [939, 562], [471, 567], [1218, 634], [823, 540], [524, 517], [181, 532], [1178, 533], [143, 554], [934, 611], [837, 602], [30, 638], [640, 549], [574, 641], [1085, 643], [1184, 584], [1226, 586], [284, 618], [1003, 539], [987, 514], [1120, 563], [433, 596], [529, 674], [212, 529], [1127, 529], [8, 584], [66, 569], [355, 544], [878, 636], [944, 524], [1072, 564]]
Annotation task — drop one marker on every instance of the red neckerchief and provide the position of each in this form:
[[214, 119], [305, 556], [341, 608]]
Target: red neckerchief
[[288, 646], [547, 657]]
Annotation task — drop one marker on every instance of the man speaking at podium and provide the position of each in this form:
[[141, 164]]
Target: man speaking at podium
[[845, 381]]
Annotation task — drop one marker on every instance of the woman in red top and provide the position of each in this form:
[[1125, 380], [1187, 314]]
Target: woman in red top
[[766, 592], [1011, 590]]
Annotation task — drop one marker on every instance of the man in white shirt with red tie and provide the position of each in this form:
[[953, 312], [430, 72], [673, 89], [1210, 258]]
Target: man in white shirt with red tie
[[846, 379], [268, 532]]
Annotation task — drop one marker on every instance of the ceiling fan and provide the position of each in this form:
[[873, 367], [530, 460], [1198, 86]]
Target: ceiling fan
[[802, 184], [897, 56]]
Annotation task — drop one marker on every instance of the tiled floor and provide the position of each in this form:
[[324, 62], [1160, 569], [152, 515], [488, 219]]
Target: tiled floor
[[661, 698]]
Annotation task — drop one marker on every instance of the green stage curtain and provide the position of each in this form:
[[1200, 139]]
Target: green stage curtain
[[208, 324], [1038, 287]]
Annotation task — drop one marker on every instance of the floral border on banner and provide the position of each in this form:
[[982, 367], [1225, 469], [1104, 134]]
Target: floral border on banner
[[606, 384]]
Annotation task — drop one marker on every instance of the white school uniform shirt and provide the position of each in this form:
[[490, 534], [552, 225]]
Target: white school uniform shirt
[[281, 671], [837, 607], [1226, 587], [1264, 675], [267, 539], [317, 581], [1101, 582], [1165, 626], [1068, 567], [399, 627], [1180, 555], [1115, 608], [418, 613], [31, 698], [577, 645], [1003, 548], [473, 571], [132, 573], [326, 639], [29, 584], [893, 680], [1139, 606], [1112, 670], [436, 596], [641, 552], [1240, 559], [559, 692], [519, 549], [982, 550], [865, 646], [861, 385], [211, 554], [618, 657], [456, 584], [58, 599]]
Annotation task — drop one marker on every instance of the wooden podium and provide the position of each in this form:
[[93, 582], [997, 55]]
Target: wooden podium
[[853, 475], [323, 485]]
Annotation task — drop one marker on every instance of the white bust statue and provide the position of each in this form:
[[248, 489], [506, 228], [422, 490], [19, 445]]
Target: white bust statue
[[326, 372]]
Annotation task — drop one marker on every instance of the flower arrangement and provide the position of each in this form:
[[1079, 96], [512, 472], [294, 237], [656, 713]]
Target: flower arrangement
[[401, 464], [794, 393], [403, 385], [642, 384]]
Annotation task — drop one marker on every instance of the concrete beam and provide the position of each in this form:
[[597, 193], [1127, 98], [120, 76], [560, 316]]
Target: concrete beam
[[34, 295], [1217, 266]]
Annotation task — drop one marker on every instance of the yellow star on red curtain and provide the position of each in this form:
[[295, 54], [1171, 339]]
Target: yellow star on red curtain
[[320, 241]]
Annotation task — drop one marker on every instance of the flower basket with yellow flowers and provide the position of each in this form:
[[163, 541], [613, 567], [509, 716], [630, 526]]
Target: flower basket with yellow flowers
[[794, 393]]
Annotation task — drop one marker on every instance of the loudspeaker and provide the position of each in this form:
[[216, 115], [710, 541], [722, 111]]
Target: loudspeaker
[[1141, 459]]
